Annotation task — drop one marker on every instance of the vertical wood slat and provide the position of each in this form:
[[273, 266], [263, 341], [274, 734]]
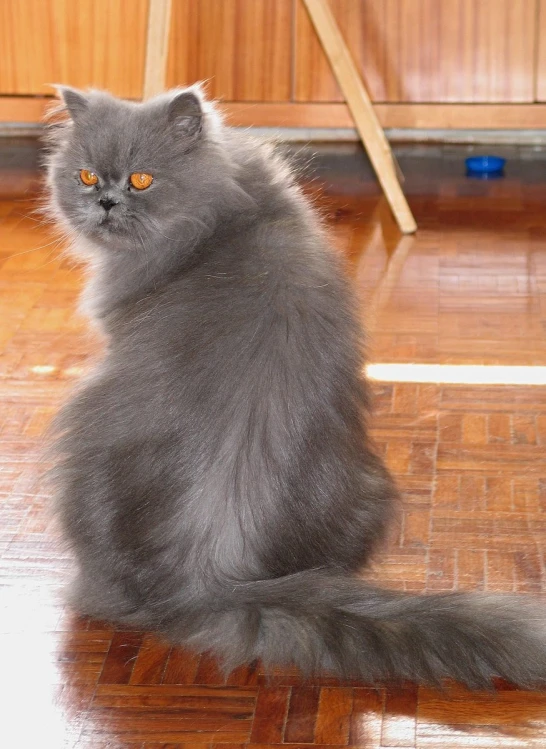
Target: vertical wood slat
[[157, 41], [428, 50], [540, 71]]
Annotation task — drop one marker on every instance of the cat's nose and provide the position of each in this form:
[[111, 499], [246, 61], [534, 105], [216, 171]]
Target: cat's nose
[[107, 203]]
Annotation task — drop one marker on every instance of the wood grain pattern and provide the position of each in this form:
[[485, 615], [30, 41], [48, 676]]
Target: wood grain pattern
[[241, 48], [426, 50], [540, 77], [85, 43], [270, 715], [469, 459], [334, 716], [302, 715]]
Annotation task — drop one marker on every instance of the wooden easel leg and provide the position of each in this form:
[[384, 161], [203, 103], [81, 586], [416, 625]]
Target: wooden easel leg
[[157, 47], [358, 101]]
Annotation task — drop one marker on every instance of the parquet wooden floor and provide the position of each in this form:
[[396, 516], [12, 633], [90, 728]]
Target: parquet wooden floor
[[470, 288]]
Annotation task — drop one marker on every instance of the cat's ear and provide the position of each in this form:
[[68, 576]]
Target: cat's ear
[[75, 101], [186, 113]]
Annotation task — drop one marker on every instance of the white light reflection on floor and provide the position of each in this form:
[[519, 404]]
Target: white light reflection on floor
[[458, 374]]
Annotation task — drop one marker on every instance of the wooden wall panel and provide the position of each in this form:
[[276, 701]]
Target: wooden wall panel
[[243, 48], [103, 43], [426, 50], [541, 53], [81, 43], [28, 55]]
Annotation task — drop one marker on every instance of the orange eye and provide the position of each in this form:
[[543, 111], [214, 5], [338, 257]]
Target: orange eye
[[88, 178], [141, 180]]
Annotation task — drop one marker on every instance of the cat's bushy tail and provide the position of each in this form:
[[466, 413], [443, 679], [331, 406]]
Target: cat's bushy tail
[[329, 622]]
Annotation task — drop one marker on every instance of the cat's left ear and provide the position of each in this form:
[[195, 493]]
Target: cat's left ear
[[75, 101], [186, 113]]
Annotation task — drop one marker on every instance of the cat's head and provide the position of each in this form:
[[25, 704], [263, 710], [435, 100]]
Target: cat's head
[[124, 173]]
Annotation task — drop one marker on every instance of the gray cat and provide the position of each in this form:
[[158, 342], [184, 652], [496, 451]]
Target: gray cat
[[214, 475]]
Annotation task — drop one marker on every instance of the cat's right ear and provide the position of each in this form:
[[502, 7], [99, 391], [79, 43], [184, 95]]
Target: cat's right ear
[[186, 113], [75, 101]]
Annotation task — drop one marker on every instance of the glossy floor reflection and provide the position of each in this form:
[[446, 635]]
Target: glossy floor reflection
[[468, 289]]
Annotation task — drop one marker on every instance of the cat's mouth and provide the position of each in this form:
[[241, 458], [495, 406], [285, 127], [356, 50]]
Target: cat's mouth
[[108, 224]]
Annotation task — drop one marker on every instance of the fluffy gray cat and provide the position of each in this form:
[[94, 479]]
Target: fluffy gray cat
[[214, 474]]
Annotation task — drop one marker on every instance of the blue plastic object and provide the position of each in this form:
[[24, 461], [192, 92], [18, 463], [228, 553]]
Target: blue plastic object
[[485, 166]]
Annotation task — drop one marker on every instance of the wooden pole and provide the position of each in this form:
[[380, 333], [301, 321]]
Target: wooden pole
[[361, 107], [157, 47]]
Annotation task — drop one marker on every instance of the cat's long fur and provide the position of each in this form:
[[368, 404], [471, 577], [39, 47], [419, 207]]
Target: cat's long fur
[[214, 474]]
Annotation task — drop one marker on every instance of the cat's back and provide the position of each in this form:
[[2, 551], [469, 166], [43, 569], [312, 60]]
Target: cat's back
[[266, 287], [263, 313]]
